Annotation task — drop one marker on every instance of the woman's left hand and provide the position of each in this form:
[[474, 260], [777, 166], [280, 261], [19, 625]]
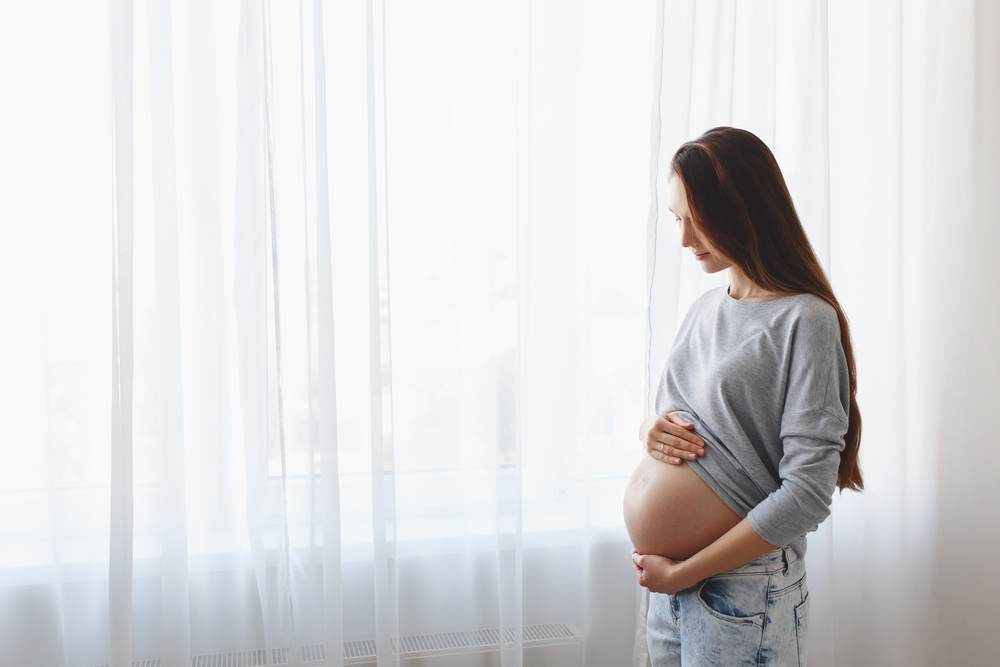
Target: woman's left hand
[[659, 574]]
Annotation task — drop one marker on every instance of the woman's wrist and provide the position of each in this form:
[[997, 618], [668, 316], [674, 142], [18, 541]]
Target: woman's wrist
[[692, 570]]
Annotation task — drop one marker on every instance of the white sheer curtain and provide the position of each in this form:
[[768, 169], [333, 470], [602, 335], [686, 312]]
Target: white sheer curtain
[[370, 362], [885, 119]]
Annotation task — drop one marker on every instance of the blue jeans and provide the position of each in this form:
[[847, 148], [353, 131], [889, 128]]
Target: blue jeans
[[755, 615]]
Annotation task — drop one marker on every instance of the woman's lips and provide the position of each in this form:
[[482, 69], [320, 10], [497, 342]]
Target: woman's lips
[[700, 256]]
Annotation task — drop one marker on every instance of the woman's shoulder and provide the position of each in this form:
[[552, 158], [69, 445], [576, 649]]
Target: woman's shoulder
[[706, 301], [812, 327], [710, 297], [813, 313]]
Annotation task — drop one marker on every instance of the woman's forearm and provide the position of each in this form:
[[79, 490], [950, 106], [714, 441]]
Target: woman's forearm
[[737, 547]]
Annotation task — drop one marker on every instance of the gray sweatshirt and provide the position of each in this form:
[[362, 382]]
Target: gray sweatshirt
[[766, 386]]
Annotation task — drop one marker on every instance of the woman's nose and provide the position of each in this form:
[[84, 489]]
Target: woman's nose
[[687, 235]]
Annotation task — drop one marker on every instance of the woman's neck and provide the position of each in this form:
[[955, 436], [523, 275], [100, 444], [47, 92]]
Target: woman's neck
[[742, 288]]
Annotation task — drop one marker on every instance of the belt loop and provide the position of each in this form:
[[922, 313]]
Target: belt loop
[[784, 557]]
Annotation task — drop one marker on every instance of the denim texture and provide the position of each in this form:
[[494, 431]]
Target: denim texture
[[753, 615]]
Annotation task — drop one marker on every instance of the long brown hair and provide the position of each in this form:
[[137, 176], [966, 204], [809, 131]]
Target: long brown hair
[[739, 202]]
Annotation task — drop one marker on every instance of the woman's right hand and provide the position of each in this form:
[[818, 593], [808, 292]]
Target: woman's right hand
[[668, 438]]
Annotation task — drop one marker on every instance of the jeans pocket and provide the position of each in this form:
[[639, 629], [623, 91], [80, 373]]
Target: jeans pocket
[[802, 630], [735, 599]]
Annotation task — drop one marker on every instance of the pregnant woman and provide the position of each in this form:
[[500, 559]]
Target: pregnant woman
[[756, 421]]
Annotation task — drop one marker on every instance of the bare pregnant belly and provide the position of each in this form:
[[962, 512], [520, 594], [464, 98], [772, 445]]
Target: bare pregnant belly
[[672, 512]]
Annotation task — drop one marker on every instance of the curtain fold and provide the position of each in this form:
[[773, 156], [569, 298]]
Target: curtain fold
[[383, 465], [333, 603], [250, 296], [174, 559], [122, 361]]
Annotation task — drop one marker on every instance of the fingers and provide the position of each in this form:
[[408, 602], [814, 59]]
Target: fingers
[[660, 455], [678, 431], [670, 434], [676, 418], [670, 439], [640, 571], [674, 455], [678, 454], [635, 566]]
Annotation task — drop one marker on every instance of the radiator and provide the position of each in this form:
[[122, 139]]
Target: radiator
[[545, 645]]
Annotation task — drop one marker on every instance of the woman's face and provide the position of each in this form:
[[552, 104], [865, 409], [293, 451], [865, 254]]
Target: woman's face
[[708, 258]]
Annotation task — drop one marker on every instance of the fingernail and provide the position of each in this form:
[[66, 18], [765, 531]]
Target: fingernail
[[701, 442], [692, 456], [701, 452]]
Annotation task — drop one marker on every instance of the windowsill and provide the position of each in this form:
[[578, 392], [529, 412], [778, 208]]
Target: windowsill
[[432, 523]]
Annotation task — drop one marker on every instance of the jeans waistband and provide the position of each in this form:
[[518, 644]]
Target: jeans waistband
[[779, 560]]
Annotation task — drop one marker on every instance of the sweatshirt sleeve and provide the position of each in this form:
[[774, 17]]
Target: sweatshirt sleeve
[[813, 425]]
